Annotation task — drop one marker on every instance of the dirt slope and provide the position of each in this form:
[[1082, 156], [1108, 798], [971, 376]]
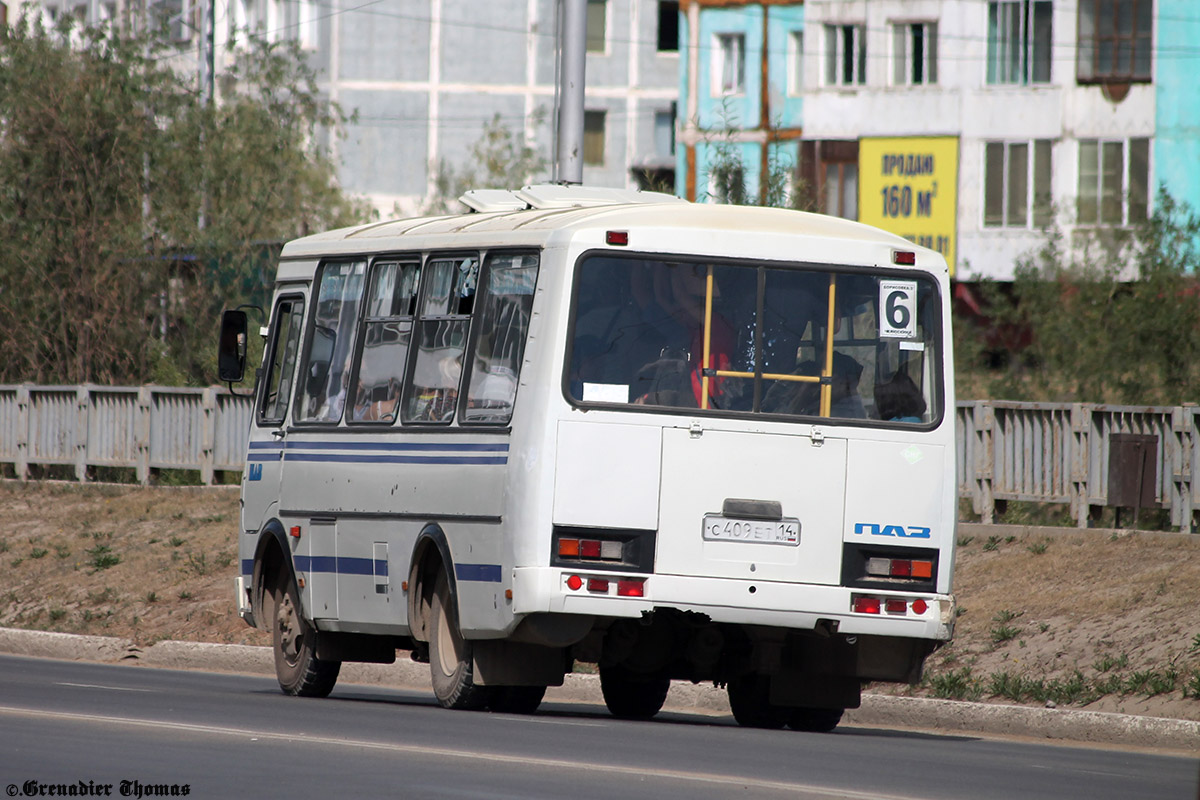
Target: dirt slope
[[1086, 620]]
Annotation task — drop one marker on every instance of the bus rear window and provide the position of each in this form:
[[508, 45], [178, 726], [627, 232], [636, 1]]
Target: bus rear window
[[757, 339]]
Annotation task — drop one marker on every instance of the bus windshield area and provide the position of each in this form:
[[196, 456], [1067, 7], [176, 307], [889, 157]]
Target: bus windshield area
[[755, 338]]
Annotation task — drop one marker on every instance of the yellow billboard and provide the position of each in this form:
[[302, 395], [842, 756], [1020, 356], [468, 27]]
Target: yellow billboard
[[909, 186]]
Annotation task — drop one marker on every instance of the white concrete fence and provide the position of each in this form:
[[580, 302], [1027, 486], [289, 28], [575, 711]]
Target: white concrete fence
[[1082, 455]]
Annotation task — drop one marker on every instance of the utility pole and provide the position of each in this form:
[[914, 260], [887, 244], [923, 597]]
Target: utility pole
[[207, 87], [572, 56], [207, 46]]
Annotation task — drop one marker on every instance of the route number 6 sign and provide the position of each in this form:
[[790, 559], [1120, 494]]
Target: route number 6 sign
[[897, 309]]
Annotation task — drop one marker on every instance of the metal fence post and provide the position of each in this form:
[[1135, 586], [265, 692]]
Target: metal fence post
[[1183, 439], [1080, 458], [208, 435], [82, 398], [985, 460], [22, 465], [142, 435]]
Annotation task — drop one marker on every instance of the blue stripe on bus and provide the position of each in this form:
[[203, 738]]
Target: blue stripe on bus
[[443, 447], [276, 456], [384, 459], [341, 565], [488, 573], [344, 565], [266, 445]]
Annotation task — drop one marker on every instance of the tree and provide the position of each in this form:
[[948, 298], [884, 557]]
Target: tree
[[499, 160], [727, 170], [109, 164], [1112, 316]]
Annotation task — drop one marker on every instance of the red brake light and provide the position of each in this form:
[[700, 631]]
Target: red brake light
[[866, 605], [919, 607], [598, 585], [589, 548], [904, 258], [901, 568], [619, 238], [631, 587], [574, 582], [897, 606]]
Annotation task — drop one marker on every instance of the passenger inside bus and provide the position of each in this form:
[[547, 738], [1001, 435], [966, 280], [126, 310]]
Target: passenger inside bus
[[899, 399], [676, 376]]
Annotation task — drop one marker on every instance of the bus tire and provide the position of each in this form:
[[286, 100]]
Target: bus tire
[[815, 720], [294, 641], [630, 695], [749, 700], [451, 662], [515, 699]]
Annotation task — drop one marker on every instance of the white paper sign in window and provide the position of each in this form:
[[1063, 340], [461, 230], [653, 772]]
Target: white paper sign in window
[[897, 309]]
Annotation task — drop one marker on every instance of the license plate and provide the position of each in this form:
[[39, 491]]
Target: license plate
[[725, 529]]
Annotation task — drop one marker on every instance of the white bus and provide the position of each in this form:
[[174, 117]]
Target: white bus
[[676, 441]]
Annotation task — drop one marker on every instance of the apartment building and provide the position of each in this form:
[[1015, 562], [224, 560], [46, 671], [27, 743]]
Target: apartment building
[[425, 76], [966, 125]]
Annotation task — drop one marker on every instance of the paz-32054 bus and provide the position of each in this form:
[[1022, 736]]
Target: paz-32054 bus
[[678, 441]]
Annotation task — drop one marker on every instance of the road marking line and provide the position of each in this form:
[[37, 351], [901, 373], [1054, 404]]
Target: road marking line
[[476, 755], [111, 688]]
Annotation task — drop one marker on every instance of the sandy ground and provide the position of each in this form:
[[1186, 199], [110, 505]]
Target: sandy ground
[[1094, 620]]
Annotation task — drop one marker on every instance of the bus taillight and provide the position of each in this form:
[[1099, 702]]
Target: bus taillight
[[866, 605], [589, 549], [631, 587]]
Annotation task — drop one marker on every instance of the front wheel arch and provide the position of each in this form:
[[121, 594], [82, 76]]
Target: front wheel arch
[[272, 563]]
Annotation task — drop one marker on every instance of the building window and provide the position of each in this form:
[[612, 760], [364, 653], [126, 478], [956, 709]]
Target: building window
[[597, 22], [914, 46], [1114, 178], [845, 55], [730, 64], [668, 26], [175, 17], [1016, 181], [828, 177], [664, 133], [795, 62], [1019, 40], [1114, 40], [593, 138]]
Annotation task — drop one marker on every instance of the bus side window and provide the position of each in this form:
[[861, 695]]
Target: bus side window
[[331, 344], [445, 316], [285, 346], [500, 342], [387, 334]]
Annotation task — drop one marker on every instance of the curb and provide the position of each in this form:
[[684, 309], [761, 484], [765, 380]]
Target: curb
[[1067, 725]]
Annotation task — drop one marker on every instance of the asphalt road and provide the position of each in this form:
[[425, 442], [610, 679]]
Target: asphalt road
[[68, 724]]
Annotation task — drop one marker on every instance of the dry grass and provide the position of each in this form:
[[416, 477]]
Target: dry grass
[[146, 564], [1035, 609]]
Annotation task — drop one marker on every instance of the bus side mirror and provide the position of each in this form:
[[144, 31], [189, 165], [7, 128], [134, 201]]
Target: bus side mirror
[[231, 352]]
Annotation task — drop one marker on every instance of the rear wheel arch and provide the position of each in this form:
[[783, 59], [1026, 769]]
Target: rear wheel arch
[[430, 558]]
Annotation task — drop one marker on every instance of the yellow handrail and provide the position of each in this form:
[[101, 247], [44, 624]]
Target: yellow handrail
[[708, 298], [827, 389]]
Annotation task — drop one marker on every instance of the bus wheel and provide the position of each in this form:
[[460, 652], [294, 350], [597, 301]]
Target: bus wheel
[[749, 700], [630, 695], [451, 666], [817, 720], [297, 667], [515, 699]]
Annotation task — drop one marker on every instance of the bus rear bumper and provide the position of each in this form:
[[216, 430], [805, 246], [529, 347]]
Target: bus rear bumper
[[792, 606]]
